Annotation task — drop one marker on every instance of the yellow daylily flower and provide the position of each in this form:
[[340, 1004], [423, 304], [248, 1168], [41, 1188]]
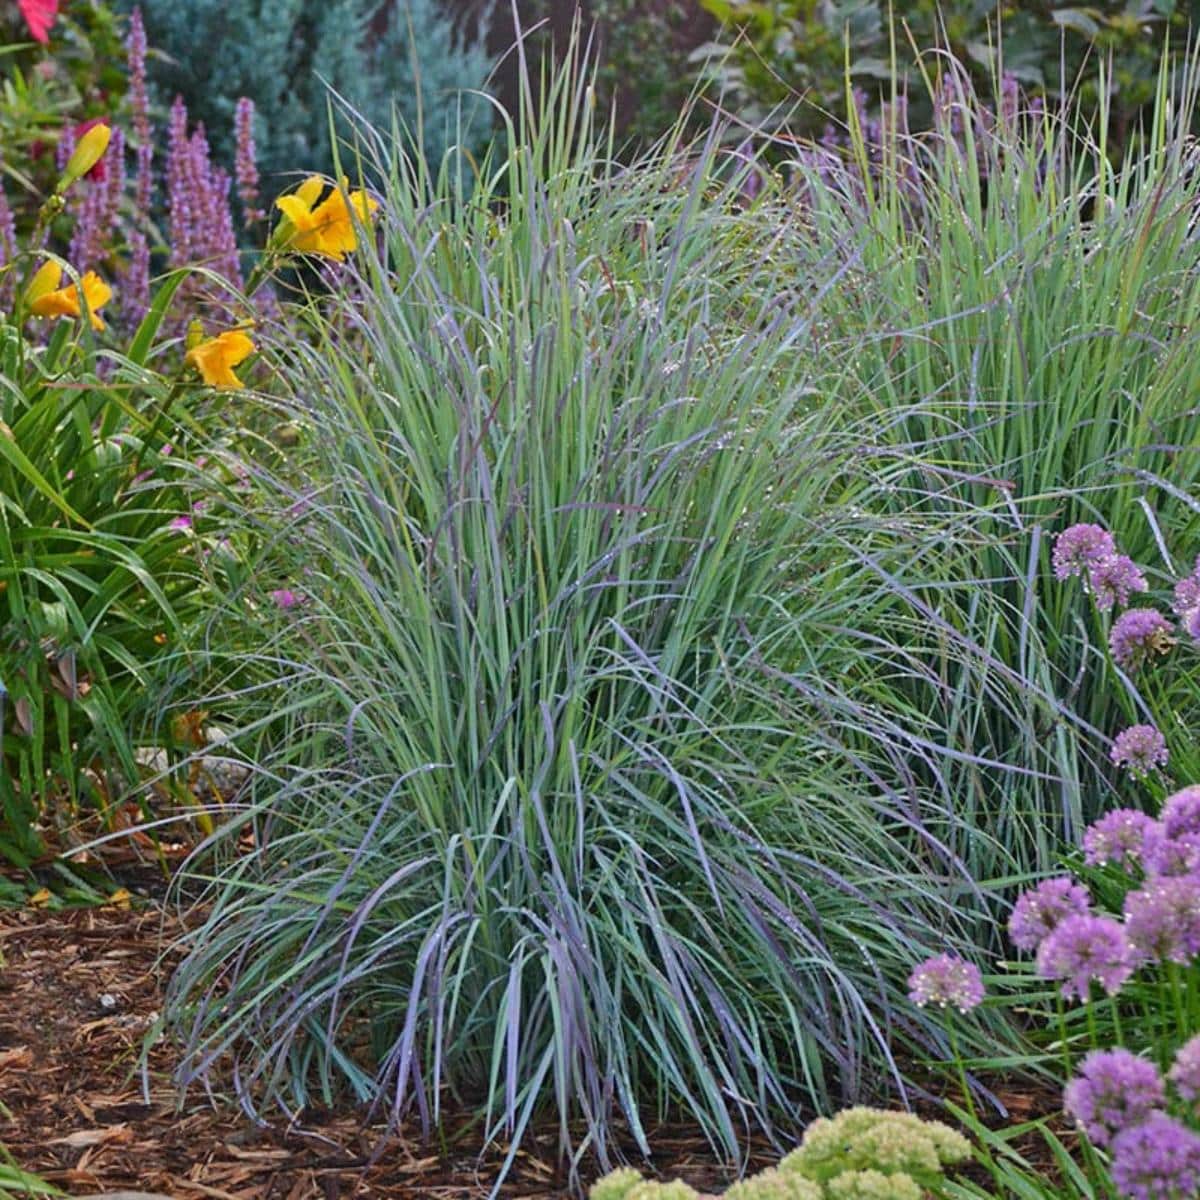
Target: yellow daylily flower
[[328, 227], [216, 357], [46, 299]]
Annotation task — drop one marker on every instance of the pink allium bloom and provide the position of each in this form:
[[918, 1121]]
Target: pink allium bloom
[[181, 524], [1117, 837], [1113, 1090], [285, 598], [1162, 919], [1141, 748], [1042, 909], [1138, 635], [946, 980], [1079, 548], [1083, 948], [1181, 812], [1185, 1072], [1158, 1159], [1114, 579]]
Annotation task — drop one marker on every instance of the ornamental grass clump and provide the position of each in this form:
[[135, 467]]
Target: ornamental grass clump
[[581, 790]]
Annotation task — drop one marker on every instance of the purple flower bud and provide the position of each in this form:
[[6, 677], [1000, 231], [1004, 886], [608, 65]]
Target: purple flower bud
[[946, 981], [1039, 911], [1083, 948], [1113, 1090], [1140, 748]]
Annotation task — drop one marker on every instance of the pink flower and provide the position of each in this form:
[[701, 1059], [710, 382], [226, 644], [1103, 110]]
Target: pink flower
[[1140, 748], [946, 980], [39, 16], [285, 598]]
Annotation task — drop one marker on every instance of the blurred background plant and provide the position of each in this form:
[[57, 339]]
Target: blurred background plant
[[785, 59], [378, 56]]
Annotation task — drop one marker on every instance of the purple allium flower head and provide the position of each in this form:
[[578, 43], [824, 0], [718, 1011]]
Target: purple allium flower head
[[1166, 855], [1185, 1071], [1079, 548], [1191, 623], [1083, 948], [1141, 748], [1138, 635], [1040, 910], [946, 980], [1158, 1159], [1117, 837], [1113, 1090], [1181, 812], [1187, 592], [1113, 580], [1162, 919]]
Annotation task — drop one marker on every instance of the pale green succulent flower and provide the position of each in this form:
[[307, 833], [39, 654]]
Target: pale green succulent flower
[[873, 1185], [616, 1185], [774, 1184]]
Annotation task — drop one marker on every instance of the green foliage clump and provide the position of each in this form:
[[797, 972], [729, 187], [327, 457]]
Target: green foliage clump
[[285, 55]]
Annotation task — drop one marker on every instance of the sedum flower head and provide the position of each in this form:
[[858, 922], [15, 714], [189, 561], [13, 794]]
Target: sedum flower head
[[1158, 1159], [774, 1184], [873, 1185], [946, 980], [1086, 948], [1113, 580], [216, 357], [1162, 919], [649, 1189], [866, 1139], [1138, 635], [1042, 909], [616, 1185], [1079, 548], [1113, 1090], [1118, 837], [325, 227], [1141, 749], [1185, 1071]]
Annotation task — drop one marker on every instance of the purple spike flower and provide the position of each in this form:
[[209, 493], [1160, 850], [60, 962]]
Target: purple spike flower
[[180, 186], [946, 980], [1138, 635], [8, 247], [246, 161], [136, 292], [1185, 1072], [1079, 548], [1113, 1090], [1140, 748], [1083, 948], [1117, 837], [1162, 919], [1039, 911], [1158, 1159], [1113, 580]]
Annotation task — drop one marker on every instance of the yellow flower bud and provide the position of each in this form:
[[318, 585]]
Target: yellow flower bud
[[48, 277], [89, 150]]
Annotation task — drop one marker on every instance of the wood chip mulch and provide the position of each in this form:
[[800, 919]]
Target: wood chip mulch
[[78, 991]]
